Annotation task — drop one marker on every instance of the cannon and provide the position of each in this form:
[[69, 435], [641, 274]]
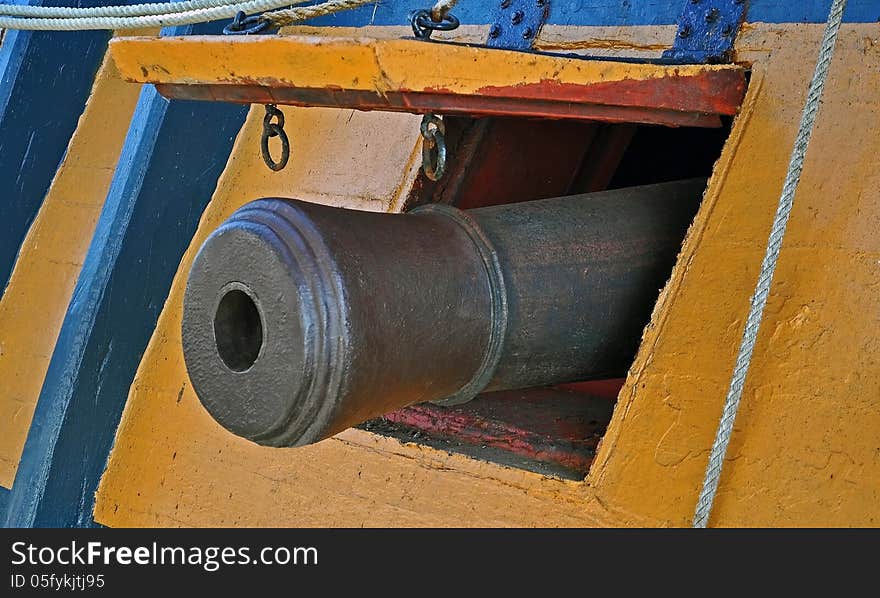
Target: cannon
[[301, 320]]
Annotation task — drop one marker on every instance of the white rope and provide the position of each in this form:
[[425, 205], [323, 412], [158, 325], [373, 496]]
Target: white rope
[[199, 15], [130, 10], [205, 13], [768, 267], [280, 18]]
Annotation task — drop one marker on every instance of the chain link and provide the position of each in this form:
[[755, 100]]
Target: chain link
[[274, 129], [433, 146], [245, 25], [423, 23]]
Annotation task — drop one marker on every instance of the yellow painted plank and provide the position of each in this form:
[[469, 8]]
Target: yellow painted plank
[[33, 305], [365, 64]]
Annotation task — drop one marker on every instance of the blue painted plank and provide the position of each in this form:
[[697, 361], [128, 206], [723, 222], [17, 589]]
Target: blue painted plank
[[45, 79], [173, 154], [562, 12], [810, 11], [609, 12]]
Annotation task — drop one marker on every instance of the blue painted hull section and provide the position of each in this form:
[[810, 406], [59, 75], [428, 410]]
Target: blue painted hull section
[[45, 79], [610, 12], [172, 157]]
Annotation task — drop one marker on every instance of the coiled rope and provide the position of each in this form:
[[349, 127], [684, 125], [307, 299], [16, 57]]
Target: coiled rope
[[39, 18], [280, 18], [441, 8], [768, 267], [130, 10]]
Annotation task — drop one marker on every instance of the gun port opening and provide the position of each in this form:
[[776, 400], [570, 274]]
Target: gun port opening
[[556, 430]]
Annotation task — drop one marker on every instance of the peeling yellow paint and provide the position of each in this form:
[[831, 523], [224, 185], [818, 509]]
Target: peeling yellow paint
[[364, 64]]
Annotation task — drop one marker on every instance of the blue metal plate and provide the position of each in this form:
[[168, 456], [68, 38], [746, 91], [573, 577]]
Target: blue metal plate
[[706, 31], [515, 23]]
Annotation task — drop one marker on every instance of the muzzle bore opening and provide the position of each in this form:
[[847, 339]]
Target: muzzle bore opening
[[238, 330]]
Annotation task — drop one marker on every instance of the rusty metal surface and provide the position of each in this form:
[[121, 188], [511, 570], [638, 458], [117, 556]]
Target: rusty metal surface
[[359, 314]]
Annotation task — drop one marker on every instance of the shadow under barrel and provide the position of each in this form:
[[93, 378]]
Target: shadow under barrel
[[301, 320]]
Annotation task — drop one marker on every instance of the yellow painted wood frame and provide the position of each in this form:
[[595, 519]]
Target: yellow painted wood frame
[[804, 451], [415, 76]]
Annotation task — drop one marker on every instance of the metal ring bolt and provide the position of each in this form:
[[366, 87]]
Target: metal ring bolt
[[274, 129], [433, 146], [244, 25], [423, 24]]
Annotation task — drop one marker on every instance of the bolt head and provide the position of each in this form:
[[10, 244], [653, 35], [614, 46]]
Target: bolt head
[[505, 3], [527, 33], [517, 17], [685, 32], [494, 31], [712, 15]]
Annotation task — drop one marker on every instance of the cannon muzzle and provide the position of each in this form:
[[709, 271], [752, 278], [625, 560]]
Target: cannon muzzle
[[301, 320]]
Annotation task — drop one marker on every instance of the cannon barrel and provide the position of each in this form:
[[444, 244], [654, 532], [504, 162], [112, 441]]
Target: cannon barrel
[[301, 320]]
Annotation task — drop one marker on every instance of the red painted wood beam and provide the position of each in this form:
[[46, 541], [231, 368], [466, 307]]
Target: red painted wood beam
[[548, 425], [440, 103]]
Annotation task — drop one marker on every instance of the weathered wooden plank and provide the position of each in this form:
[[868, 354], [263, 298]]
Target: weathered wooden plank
[[45, 79], [35, 300], [370, 74], [168, 169]]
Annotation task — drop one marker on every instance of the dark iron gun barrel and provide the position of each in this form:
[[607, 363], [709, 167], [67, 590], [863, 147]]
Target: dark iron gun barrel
[[301, 320]]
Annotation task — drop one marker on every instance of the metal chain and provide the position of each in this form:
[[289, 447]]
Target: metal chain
[[433, 146], [768, 267], [274, 129]]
